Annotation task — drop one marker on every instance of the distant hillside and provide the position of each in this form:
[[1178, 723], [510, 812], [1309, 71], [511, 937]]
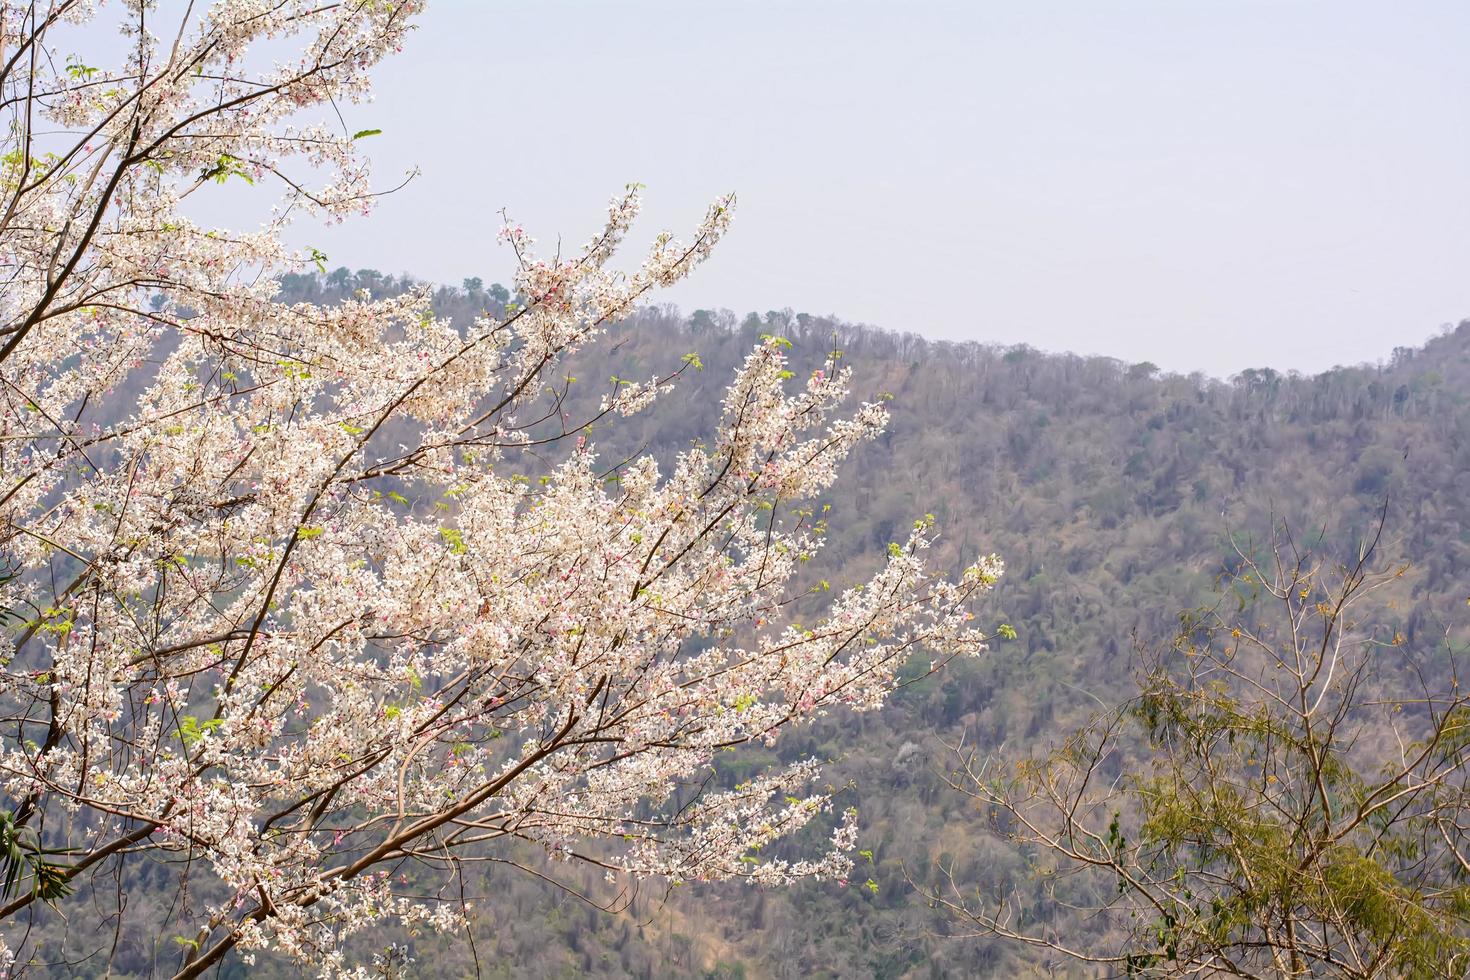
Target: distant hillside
[[1109, 488]]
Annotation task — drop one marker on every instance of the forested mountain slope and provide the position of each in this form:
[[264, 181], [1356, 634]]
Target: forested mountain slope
[[1111, 491]]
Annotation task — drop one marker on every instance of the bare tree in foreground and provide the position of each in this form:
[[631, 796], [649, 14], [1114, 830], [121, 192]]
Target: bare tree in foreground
[[1286, 796]]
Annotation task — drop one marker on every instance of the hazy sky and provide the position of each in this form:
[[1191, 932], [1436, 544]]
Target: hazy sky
[[1207, 185]]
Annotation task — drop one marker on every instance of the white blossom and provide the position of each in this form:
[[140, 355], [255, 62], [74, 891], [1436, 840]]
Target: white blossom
[[250, 636]]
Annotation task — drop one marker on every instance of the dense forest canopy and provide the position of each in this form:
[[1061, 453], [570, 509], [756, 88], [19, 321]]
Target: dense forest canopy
[[1118, 494], [1113, 490]]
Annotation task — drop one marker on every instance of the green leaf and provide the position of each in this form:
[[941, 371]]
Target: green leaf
[[361, 133], [454, 538], [191, 731], [225, 167]]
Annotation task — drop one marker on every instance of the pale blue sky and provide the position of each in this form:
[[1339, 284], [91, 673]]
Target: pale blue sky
[[1207, 185]]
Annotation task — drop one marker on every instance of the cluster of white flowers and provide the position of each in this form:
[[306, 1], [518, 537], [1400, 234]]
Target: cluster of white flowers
[[294, 612]]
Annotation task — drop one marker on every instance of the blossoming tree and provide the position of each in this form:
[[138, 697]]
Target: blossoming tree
[[282, 602]]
